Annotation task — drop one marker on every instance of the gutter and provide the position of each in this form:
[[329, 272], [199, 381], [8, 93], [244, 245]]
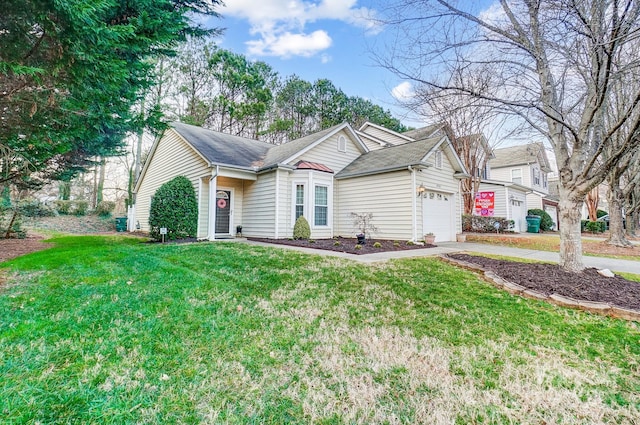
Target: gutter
[[419, 165]]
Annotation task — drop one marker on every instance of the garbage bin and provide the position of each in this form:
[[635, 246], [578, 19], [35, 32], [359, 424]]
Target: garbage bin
[[533, 223], [121, 224]]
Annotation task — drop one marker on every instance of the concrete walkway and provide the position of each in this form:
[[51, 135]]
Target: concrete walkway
[[615, 265]]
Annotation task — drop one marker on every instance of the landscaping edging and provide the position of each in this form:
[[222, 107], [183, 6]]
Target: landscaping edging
[[603, 309]]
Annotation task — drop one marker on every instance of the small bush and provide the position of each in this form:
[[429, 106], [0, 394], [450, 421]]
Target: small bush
[[377, 245], [35, 208], [337, 243], [80, 207], [63, 207], [105, 208], [595, 226], [410, 243], [546, 222], [358, 247], [312, 241], [301, 229], [396, 243], [476, 223], [174, 206]]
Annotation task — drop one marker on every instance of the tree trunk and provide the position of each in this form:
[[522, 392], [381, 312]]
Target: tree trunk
[[570, 235], [65, 190], [468, 195], [593, 199], [632, 224], [100, 187], [616, 227]]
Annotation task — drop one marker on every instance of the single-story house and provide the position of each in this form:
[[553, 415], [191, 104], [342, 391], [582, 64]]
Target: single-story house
[[410, 188], [503, 199]]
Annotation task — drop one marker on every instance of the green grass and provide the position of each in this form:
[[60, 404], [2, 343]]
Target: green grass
[[108, 330]]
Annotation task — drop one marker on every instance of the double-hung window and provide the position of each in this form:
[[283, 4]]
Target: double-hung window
[[321, 206], [299, 200], [516, 175]]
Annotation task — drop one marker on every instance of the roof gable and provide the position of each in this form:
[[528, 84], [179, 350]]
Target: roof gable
[[391, 158], [290, 151], [519, 155], [427, 131]]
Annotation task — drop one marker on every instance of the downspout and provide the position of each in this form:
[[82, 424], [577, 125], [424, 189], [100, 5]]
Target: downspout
[[414, 204], [277, 212], [213, 188]]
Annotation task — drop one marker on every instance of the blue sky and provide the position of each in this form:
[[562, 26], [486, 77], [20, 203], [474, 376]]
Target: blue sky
[[314, 39]]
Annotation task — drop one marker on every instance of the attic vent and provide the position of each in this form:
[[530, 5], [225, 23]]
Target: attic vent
[[438, 159], [342, 144]]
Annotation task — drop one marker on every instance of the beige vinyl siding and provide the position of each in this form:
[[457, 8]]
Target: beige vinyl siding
[[285, 227], [258, 212], [172, 157], [500, 198], [372, 145], [383, 135], [441, 180], [534, 201], [327, 153], [388, 196], [502, 174]]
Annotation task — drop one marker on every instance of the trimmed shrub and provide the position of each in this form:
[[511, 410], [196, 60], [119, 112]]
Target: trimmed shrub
[[35, 208], [175, 207], [301, 229], [595, 226], [479, 224], [63, 207], [105, 208], [80, 207], [546, 222]]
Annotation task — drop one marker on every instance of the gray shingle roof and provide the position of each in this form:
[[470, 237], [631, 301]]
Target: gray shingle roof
[[423, 132], [521, 154], [391, 158], [220, 148]]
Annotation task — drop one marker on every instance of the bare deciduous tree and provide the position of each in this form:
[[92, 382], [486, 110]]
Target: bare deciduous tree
[[554, 64]]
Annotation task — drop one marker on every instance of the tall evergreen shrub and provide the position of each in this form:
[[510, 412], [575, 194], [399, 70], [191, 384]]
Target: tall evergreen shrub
[[175, 207]]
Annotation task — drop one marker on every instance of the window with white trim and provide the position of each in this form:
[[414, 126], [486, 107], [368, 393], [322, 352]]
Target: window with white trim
[[536, 177], [299, 201], [342, 144], [321, 206], [516, 175], [438, 159]]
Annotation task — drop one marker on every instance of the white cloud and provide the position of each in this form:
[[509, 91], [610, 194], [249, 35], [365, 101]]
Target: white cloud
[[325, 58], [403, 92], [280, 24], [288, 44]]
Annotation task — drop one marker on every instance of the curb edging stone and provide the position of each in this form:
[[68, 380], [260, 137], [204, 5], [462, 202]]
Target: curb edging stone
[[600, 308]]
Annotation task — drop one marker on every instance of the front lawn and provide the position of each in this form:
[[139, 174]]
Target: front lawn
[[107, 330], [590, 246]]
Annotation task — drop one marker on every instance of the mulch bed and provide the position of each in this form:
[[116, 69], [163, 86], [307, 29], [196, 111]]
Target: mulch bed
[[347, 245], [550, 278], [12, 248]]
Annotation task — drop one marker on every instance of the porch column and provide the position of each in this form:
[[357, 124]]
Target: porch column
[[213, 188]]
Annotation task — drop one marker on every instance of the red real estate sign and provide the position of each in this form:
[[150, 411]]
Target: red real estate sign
[[485, 203]]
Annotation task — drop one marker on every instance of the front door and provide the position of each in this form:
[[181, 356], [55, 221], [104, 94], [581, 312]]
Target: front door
[[223, 212]]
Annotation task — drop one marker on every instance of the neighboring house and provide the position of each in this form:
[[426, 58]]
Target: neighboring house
[[526, 165], [508, 200], [410, 186]]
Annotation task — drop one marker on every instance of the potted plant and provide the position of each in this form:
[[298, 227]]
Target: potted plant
[[362, 223], [429, 238]]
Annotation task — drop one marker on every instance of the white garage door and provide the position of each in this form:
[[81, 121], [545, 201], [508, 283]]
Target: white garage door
[[438, 215], [519, 216]]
